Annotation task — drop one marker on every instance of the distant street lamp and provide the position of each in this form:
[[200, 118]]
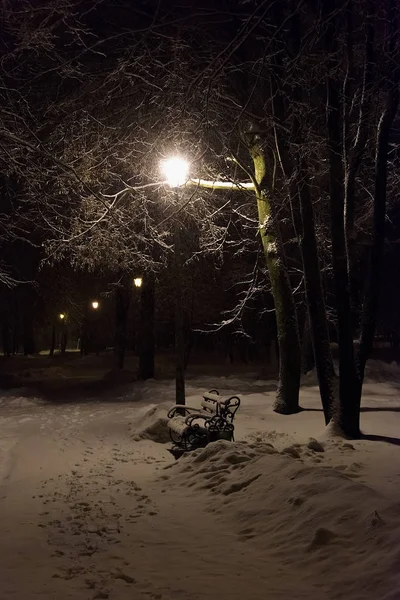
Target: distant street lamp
[[63, 342], [95, 305], [138, 282]]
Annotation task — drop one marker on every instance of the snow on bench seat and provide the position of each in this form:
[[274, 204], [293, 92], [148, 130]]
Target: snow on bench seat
[[178, 425], [226, 406]]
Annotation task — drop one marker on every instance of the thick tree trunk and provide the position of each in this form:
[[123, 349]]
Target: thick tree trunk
[[287, 398], [346, 415], [301, 207], [303, 216], [354, 152], [305, 231], [371, 299], [307, 350], [146, 327], [315, 298]]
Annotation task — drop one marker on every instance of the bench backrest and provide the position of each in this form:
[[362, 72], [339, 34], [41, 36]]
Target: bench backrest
[[226, 406], [210, 405]]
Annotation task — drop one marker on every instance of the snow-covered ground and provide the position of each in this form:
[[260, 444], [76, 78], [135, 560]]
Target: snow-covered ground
[[90, 510]]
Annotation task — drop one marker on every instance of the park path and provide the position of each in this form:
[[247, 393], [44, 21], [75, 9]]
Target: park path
[[86, 512]]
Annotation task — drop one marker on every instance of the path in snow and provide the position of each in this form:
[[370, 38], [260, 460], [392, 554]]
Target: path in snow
[[86, 512]]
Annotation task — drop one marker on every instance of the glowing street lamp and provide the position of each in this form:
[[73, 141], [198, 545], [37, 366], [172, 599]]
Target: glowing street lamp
[[61, 316], [138, 282], [95, 305], [176, 170]]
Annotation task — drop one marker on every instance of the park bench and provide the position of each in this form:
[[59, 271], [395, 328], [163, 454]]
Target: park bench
[[225, 406], [192, 428]]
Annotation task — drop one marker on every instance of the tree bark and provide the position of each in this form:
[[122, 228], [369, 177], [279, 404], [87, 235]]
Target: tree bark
[[371, 298], [123, 296], [354, 154], [297, 182], [307, 350], [315, 298], [346, 414], [146, 327], [64, 339], [287, 398]]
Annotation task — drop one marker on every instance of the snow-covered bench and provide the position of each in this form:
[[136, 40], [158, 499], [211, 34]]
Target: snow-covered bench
[[226, 406], [192, 428]]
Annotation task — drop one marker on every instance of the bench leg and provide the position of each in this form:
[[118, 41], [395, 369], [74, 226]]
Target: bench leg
[[176, 452]]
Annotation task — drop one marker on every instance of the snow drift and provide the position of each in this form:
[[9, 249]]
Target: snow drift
[[329, 530], [152, 425]]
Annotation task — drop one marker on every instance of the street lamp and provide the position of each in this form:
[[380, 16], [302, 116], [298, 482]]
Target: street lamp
[[95, 305], [176, 170], [63, 345], [138, 282]]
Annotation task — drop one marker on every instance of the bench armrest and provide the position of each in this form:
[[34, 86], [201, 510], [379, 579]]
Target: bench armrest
[[182, 410]]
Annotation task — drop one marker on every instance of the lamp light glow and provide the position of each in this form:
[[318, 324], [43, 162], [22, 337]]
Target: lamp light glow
[[62, 316], [176, 170], [95, 305], [138, 282]]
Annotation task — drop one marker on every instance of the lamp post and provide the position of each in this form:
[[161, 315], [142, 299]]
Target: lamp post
[[63, 323], [95, 326], [62, 319], [176, 170], [137, 325]]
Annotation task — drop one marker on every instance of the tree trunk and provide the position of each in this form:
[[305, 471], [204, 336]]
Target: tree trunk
[[85, 335], [53, 341], [307, 351], [28, 337], [287, 398], [354, 154], [346, 415], [123, 294], [371, 299], [315, 297], [6, 340], [179, 319], [64, 339], [146, 327], [297, 181]]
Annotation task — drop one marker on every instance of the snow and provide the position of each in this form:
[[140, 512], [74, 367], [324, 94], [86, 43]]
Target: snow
[[92, 505]]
